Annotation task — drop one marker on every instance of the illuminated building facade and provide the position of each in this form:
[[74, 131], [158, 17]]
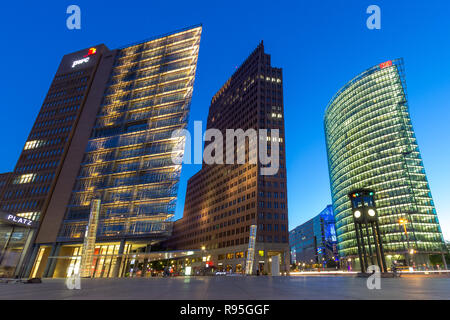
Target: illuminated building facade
[[371, 144], [127, 163], [223, 201], [26, 191], [104, 136], [315, 242]]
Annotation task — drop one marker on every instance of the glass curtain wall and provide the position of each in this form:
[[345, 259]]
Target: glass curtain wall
[[128, 162], [371, 144]]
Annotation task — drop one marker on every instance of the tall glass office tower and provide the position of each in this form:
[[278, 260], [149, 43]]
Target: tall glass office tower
[[127, 163], [371, 144]]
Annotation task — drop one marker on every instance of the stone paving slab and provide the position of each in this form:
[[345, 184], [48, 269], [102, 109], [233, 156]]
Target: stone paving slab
[[231, 288]]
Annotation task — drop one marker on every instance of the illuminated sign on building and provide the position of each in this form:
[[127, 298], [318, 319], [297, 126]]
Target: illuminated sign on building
[[85, 59], [385, 64], [77, 62], [91, 52], [13, 219]]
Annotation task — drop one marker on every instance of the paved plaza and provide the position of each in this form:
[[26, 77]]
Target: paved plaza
[[232, 288]]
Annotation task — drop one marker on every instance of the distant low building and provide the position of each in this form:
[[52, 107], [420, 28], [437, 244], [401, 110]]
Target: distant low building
[[314, 241]]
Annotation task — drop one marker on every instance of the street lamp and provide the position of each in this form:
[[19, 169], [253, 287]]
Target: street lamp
[[203, 252], [205, 259]]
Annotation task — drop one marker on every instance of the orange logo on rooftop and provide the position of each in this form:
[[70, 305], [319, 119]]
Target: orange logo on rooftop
[[91, 52]]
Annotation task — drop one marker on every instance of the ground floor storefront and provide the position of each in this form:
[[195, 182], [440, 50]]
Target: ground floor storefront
[[234, 259], [13, 239], [413, 262], [136, 259], [16, 235], [108, 260]]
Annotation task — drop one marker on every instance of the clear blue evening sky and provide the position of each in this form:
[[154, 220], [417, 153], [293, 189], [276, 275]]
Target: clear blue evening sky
[[319, 44]]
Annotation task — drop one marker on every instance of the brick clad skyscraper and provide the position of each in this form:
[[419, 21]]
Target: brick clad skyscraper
[[224, 200], [29, 188]]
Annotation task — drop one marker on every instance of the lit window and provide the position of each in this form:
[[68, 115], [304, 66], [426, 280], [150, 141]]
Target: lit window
[[29, 215], [230, 255], [25, 178], [33, 144]]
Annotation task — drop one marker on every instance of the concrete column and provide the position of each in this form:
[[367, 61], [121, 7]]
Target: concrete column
[[148, 248], [287, 262], [51, 263], [28, 245], [119, 260], [444, 261], [276, 265], [126, 266], [28, 265]]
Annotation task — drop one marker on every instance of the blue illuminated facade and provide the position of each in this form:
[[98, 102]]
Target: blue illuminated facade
[[314, 241]]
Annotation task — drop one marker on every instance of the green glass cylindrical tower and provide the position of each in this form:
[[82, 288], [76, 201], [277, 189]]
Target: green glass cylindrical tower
[[371, 144]]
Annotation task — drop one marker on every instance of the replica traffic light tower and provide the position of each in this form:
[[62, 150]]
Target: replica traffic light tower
[[365, 217]]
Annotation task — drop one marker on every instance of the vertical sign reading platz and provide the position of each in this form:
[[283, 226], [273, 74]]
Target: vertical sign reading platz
[[89, 239], [251, 250]]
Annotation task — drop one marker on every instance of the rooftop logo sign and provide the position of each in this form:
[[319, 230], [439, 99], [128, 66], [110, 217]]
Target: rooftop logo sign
[[386, 64], [91, 52], [85, 59]]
